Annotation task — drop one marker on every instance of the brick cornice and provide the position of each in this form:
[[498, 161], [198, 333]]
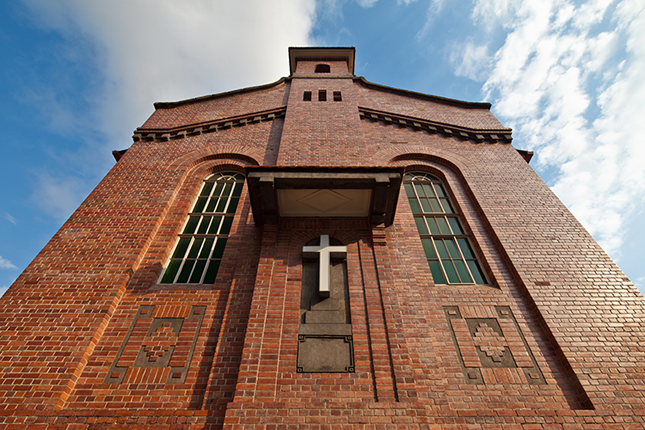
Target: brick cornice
[[170, 105], [502, 135], [166, 134], [422, 96]]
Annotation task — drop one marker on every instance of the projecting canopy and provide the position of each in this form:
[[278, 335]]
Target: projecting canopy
[[328, 192]]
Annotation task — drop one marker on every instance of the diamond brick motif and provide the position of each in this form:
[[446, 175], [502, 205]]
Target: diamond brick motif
[[324, 200], [490, 342], [160, 342]]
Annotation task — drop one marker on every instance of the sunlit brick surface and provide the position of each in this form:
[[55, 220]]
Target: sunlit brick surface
[[90, 339]]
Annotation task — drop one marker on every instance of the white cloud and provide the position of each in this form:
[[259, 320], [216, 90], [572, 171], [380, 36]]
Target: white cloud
[[640, 283], [9, 218], [164, 50], [367, 3], [58, 196], [556, 63], [470, 60], [488, 12], [146, 51], [434, 7], [6, 264]]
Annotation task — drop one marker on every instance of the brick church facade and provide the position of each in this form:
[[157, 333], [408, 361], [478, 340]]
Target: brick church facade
[[322, 252]]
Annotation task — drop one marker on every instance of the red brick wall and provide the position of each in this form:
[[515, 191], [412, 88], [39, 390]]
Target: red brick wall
[[218, 106], [318, 133], [72, 325]]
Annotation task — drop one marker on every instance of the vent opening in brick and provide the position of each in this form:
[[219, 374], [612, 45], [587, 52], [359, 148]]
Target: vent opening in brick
[[322, 68]]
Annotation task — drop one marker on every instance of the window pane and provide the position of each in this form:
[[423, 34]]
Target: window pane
[[443, 225], [437, 274], [421, 225], [450, 271], [211, 272], [226, 225], [185, 271], [219, 248], [439, 189], [419, 189], [217, 220], [465, 248], [218, 190], [435, 206], [191, 225], [194, 250], [227, 190], [171, 271], [221, 204], [206, 191], [408, 190], [428, 190], [211, 205], [197, 272], [206, 249], [232, 206], [181, 247], [454, 224], [237, 190], [476, 271], [428, 248], [452, 248], [425, 205], [432, 224], [447, 208], [414, 205], [199, 206], [441, 248], [463, 272], [203, 226]]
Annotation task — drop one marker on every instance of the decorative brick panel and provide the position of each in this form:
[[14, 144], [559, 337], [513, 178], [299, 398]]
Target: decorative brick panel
[[491, 346], [160, 336]]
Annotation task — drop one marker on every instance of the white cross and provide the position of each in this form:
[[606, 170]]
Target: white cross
[[325, 252]]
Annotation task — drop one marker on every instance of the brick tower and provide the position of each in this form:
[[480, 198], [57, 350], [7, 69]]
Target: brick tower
[[322, 251]]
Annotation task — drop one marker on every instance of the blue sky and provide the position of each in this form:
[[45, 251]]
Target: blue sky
[[78, 76]]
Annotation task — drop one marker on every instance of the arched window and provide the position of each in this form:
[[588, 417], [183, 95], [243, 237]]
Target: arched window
[[447, 247], [198, 254], [322, 68]]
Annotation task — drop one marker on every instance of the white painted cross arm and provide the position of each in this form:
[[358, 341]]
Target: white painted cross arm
[[324, 252]]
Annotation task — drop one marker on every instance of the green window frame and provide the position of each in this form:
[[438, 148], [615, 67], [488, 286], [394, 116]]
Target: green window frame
[[198, 254], [446, 244]]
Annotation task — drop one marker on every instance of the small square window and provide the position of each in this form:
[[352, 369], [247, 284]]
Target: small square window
[[306, 96], [337, 96], [322, 95], [322, 68]]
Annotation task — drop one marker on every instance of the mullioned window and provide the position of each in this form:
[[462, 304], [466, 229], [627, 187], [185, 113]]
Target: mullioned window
[[198, 253], [446, 244]]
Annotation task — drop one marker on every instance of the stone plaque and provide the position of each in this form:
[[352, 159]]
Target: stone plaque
[[325, 354]]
